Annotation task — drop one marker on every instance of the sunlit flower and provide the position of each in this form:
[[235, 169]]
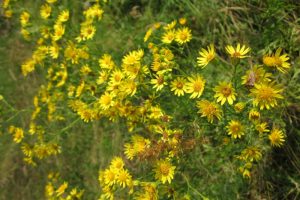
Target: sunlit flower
[[256, 75], [183, 35], [205, 56], [209, 109], [88, 32], [182, 21], [164, 171], [178, 86], [54, 51], [266, 95], [195, 86], [278, 61], [123, 178], [110, 176], [239, 107], [254, 115], [237, 52], [170, 25], [169, 36], [276, 137], [251, 154], [262, 128], [24, 18], [63, 16], [235, 129], [158, 82], [225, 92], [59, 31], [129, 151], [106, 62], [61, 189], [106, 101], [45, 11]]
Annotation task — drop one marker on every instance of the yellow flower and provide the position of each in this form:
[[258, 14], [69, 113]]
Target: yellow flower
[[254, 115], [88, 32], [239, 107], [170, 25], [117, 163], [51, 1], [183, 35], [85, 70], [209, 110], [110, 176], [61, 189], [45, 32], [266, 95], [45, 11], [205, 56], [225, 92], [59, 31], [26, 34], [106, 62], [278, 61], [237, 52], [94, 12], [139, 144], [63, 16], [54, 51], [168, 36], [18, 134], [116, 77], [149, 192], [276, 137], [235, 129], [164, 171], [182, 21], [256, 75], [133, 57], [148, 34], [28, 67], [251, 154], [8, 13], [129, 151], [124, 178], [131, 63], [178, 86], [106, 100], [24, 18], [49, 190], [86, 114], [262, 127], [158, 82], [195, 86]]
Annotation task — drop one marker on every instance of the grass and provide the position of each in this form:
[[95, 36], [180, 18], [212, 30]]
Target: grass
[[88, 148]]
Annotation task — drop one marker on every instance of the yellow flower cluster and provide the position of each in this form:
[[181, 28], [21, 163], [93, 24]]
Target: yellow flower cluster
[[169, 105], [56, 189], [115, 175]]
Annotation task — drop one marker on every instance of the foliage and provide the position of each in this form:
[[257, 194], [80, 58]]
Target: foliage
[[162, 104]]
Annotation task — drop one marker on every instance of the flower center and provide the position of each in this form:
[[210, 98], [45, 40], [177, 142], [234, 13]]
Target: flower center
[[198, 86], [266, 93], [164, 169], [226, 91], [179, 85]]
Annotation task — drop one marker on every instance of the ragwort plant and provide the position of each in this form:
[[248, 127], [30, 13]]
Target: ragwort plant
[[170, 101]]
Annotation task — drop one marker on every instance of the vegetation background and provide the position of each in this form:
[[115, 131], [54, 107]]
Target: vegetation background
[[266, 25]]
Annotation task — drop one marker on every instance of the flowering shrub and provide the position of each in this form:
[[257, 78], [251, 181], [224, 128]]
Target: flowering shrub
[[171, 102]]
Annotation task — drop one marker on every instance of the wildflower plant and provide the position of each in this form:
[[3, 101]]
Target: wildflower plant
[[169, 104]]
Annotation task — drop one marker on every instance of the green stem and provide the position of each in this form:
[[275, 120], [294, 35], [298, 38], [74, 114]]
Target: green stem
[[10, 106], [195, 190]]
